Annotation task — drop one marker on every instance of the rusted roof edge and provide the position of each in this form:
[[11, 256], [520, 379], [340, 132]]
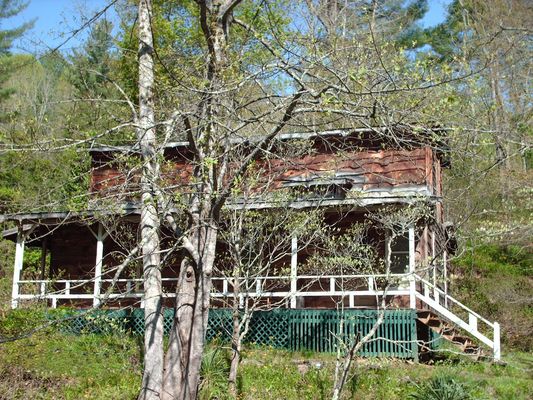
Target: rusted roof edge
[[347, 132]]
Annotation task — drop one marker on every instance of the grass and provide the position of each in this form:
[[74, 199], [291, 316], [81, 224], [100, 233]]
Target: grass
[[497, 282], [52, 365], [277, 378]]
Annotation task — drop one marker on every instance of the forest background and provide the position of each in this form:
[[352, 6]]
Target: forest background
[[58, 97]]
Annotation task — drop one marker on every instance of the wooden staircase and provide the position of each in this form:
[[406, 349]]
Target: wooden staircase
[[441, 313], [448, 332]]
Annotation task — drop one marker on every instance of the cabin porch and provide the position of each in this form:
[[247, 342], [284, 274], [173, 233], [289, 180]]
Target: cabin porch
[[420, 287], [78, 259]]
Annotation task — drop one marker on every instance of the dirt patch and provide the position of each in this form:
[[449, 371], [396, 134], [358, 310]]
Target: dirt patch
[[19, 383]]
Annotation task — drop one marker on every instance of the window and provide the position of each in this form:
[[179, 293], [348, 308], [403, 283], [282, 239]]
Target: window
[[399, 257]]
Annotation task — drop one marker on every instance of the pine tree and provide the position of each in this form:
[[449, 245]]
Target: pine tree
[[8, 9], [92, 63]]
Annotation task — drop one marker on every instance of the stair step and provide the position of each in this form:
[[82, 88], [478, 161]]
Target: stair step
[[423, 313], [471, 349], [448, 332], [435, 322], [460, 339], [424, 316]]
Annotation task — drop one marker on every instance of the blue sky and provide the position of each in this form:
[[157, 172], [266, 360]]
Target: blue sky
[[437, 12], [56, 19]]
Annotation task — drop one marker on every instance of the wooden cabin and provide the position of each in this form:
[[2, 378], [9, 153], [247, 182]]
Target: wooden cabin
[[345, 173]]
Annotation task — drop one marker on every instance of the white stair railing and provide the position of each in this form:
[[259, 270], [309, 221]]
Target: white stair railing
[[442, 303]]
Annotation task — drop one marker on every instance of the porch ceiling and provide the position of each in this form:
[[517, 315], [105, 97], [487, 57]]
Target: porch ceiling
[[50, 220]]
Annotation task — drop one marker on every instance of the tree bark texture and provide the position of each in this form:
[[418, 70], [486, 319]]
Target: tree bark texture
[[150, 225], [235, 335], [209, 143], [186, 344]]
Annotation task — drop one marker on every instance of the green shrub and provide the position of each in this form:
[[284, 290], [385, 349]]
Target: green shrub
[[496, 281], [21, 321], [214, 374], [442, 388]]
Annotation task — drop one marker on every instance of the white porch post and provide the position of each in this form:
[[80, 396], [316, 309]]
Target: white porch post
[[434, 267], [412, 287], [19, 258], [44, 249], [294, 270], [98, 264], [445, 277]]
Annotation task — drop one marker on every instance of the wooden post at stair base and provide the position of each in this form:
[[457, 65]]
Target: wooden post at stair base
[[17, 269], [100, 236], [496, 350], [294, 270], [412, 287]]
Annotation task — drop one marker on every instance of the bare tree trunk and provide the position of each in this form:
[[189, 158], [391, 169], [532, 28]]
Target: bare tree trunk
[[185, 302], [235, 344], [498, 116], [499, 125], [149, 226], [183, 360], [184, 356], [236, 347]]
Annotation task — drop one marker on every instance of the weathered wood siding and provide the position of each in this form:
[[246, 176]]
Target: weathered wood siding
[[370, 170]]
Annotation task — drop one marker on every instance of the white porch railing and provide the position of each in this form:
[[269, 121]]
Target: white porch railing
[[349, 286], [289, 288], [77, 289]]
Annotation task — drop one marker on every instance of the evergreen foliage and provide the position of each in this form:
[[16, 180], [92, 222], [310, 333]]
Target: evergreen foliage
[[9, 8]]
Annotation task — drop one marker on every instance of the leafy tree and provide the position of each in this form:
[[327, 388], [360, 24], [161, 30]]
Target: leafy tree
[[248, 75], [94, 78], [36, 118], [93, 63], [491, 45], [9, 8], [230, 76]]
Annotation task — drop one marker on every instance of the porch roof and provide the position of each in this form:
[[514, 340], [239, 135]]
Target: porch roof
[[360, 200], [28, 221]]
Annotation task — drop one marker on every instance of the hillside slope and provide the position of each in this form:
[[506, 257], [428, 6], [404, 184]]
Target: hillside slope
[[497, 282]]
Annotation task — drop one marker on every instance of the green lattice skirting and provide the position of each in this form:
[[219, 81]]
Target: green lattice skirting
[[292, 329]]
